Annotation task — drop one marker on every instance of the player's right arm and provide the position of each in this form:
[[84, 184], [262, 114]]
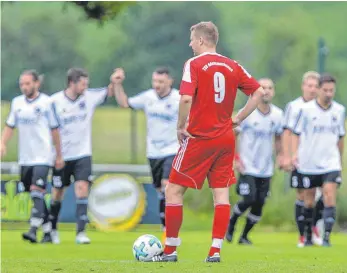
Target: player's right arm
[[287, 135], [295, 138], [251, 88], [7, 133]]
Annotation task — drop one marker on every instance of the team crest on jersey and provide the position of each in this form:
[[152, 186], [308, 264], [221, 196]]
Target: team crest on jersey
[[256, 123], [168, 106], [272, 124], [82, 105], [37, 111], [334, 118], [314, 118]]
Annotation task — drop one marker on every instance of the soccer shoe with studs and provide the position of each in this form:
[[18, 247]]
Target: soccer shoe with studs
[[229, 235], [326, 243], [301, 242], [30, 236], [55, 237], [308, 243], [316, 239], [165, 258], [82, 238], [245, 241], [46, 239], [213, 259]]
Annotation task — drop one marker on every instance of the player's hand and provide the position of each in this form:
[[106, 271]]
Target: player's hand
[[286, 164], [236, 122], [279, 161], [59, 163], [182, 134], [118, 76], [3, 150], [295, 161], [239, 166]]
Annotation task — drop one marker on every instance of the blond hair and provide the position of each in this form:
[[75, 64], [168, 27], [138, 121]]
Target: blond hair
[[208, 30], [310, 75]]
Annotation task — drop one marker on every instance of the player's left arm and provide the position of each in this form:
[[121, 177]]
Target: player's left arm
[[340, 144], [297, 130], [100, 95], [342, 133], [278, 140], [251, 88]]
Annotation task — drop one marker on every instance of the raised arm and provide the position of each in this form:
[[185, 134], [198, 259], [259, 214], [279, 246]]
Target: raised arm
[[117, 79]]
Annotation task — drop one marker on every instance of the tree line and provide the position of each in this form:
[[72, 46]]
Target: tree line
[[276, 40]]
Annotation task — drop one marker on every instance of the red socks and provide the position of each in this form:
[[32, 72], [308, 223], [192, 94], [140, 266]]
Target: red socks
[[220, 226], [173, 218]]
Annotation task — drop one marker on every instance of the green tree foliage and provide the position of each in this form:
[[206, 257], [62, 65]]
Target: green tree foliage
[[102, 10], [271, 39], [158, 34]]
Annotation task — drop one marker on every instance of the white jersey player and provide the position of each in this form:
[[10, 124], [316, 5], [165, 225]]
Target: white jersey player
[[320, 129], [32, 114], [254, 160], [160, 105], [309, 91], [75, 108]]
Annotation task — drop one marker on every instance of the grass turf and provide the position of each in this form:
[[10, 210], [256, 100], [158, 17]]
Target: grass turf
[[112, 252]]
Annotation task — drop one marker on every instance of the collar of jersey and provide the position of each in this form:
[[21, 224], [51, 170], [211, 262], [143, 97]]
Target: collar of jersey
[[323, 109], [69, 99], [161, 98], [31, 101], [266, 114]]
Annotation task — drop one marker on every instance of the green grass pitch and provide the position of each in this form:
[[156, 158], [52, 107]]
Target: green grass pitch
[[112, 252]]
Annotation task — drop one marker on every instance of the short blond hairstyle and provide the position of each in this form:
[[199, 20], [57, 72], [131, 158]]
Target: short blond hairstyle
[[208, 30], [310, 75]]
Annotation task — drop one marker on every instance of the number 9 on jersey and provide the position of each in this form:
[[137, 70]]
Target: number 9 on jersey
[[219, 87]]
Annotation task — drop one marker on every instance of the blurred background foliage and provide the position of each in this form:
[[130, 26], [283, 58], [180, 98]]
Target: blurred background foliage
[[272, 39]]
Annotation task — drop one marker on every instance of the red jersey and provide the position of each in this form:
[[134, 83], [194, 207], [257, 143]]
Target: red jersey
[[213, 79]]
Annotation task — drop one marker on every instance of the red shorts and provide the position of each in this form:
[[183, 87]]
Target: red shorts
[[200, 158]]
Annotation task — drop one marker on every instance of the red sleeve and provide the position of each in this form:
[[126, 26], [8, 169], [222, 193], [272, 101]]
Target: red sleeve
[[189, 81], [247, 83]]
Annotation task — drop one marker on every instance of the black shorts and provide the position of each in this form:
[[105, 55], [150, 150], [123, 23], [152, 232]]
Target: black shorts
[[80, 169], [34, 175], [253, 188], [296, 181], [317, 180], [160, 169]]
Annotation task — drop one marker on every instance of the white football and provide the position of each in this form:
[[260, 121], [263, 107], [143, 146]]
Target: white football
[[146, 247]]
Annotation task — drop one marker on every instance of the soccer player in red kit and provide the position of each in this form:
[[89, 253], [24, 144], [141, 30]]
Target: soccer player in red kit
[[205, 132]]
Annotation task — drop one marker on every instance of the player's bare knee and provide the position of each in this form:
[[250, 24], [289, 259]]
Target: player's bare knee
[[300, 194], [221, 195], [164, 183], [81, 189], [57, 194], [174, 193], [309, 198], [36, 188]]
